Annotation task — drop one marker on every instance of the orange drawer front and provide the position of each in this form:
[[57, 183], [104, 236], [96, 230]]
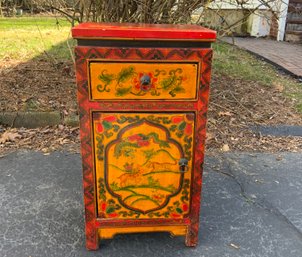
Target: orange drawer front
[[147, 80]]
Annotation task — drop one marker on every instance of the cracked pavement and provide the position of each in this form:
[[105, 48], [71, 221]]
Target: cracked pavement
[[251, 207]]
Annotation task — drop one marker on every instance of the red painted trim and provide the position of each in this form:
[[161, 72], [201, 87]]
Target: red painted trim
[[140, 222], [143, 31]]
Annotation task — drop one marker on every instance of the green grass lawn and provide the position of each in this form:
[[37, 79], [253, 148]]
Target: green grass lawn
[[28, 37], [25, 38], [234, 62]]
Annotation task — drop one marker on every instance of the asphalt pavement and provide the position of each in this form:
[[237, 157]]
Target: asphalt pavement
[[251, 207]]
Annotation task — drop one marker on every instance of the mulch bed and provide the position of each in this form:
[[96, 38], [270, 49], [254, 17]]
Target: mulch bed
[[235, 105], [38, 84]]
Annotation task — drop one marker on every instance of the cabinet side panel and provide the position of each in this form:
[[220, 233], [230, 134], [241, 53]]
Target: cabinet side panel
[[206, 58], [86, 150]]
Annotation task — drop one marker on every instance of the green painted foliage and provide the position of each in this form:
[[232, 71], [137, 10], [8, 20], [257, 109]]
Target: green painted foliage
[[121, 91], [125, 74]]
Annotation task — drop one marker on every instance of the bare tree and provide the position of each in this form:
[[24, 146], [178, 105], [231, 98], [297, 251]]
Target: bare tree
[[146, 11], [159, 11]]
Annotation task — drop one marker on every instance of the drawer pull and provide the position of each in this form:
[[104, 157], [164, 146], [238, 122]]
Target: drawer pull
[[145, 79], [145, 82], [183, 165]]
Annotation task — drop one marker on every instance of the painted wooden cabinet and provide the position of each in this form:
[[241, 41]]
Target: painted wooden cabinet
[[143, 96]]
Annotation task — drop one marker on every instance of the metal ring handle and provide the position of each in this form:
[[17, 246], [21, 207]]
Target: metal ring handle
[[183, 165]]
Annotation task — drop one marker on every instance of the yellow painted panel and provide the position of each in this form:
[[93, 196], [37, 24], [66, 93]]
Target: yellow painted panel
[[138, 80], [107, 233], [137, 164]]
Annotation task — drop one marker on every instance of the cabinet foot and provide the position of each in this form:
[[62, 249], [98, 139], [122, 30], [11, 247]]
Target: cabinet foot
[[92, 246], [191, 237], [92, 241]]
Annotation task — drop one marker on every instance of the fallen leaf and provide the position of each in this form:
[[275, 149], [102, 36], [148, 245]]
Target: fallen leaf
[[66, 70], [232, 120], [278, 87], [47, 130], [235, 246], [74, 129], [279, 158], [63, 141], [225, 114], [253, 196], [225, 148], [61, 127], [9, 136], [210, 136], [213, 121]]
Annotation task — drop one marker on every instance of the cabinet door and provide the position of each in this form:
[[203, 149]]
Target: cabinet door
[[143, 164]]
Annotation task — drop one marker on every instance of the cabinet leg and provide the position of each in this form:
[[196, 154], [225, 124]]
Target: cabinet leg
[[92, 240], [192, 236]]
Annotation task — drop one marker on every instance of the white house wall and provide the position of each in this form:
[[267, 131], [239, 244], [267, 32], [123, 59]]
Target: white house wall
[[247, 4], [259, 21], [259, 24]]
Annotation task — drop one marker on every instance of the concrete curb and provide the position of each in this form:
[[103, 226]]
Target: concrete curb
[[278, 130], [36, 119]]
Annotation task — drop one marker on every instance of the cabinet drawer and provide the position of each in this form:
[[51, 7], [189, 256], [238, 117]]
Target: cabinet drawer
[[143, 164], [145, 80]]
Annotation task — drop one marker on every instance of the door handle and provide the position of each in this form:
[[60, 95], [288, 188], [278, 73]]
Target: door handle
[[183, 165]]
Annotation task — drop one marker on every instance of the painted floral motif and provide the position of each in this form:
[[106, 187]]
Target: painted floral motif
[[148, 82], [177, 209], [184, 125], [138, 164], [110, 209], [128, 81], [105, 127]]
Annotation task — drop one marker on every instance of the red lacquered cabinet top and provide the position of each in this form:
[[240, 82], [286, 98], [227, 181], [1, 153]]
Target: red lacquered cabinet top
[[132, 31]]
